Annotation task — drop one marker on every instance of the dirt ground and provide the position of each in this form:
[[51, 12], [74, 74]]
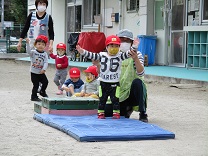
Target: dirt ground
[[182, 111]]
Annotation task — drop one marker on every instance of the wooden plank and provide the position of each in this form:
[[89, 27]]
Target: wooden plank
[[68, 112]]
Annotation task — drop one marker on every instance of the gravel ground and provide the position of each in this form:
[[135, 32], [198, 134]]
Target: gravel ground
[[182, 111]]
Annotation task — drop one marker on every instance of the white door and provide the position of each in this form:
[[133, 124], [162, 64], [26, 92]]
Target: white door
[[177, 55]]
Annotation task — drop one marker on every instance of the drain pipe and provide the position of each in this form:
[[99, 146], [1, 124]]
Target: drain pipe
[[120, 14], [2, 18], [103, 20]]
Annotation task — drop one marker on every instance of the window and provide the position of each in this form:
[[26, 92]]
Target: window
[[159, 24], [70, 21], [132, 5], [73, 18], [91, 8], [205, 11]]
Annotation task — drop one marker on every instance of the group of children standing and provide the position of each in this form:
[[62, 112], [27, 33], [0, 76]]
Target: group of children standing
[[109, 74], [73, 86], [108, 68]]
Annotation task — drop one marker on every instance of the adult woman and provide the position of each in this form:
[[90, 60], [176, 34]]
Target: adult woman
[[133, 93], [38, 23]]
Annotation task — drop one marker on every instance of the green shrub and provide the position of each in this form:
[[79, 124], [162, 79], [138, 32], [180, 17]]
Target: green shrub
[[13, 49]]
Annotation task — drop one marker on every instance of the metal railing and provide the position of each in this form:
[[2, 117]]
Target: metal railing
[[9, 39]]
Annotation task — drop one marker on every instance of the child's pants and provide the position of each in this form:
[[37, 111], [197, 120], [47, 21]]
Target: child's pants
[[112, 90], [36, 79], [60, 77]]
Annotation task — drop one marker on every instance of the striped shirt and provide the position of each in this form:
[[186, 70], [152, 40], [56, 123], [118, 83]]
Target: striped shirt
[[110, 65], [141, 59]]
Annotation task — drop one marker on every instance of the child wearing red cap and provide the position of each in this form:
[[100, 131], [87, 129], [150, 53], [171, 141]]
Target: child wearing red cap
[[109, 73], [74, 84], [61, 62], [91, 86], [39, 64]]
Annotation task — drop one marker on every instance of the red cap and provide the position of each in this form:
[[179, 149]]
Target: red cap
[[42, 37], [92, 70], [113, 39], [74, 73], [61, 46]]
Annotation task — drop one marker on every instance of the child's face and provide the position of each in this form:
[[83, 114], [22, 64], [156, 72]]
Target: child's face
[[113, 49], [40, 46], [89, 77], [60, 52], [74, 79]]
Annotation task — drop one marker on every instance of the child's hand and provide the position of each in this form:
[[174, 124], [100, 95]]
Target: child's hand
[[136, 43], [82, 94], [42, 71], [50, 48], [79, 49], [59, 65], [66, 89], [133, 54]]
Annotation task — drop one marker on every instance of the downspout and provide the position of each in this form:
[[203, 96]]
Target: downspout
[[167, 20], [103, 20], [120, 14], [2, 18]]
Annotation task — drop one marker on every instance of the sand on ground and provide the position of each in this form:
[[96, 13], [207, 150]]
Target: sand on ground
[[182, 111]]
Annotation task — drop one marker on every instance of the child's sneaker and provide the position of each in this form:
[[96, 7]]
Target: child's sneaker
[[43, 94], [116, 115], [101, 116], [35, 99], [60, 92]]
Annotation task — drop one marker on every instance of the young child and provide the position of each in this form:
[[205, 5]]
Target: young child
[[74, 84], [61, 61], [39, 64], [91, 86], [109, 73]]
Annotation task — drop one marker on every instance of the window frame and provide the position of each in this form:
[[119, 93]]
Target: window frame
[[129, 5], [204, 21], [94, 7]]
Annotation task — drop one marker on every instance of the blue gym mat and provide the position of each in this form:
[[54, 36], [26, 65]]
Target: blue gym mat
[[89, 128]]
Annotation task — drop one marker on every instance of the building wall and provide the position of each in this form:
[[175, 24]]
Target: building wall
[[58, 14], [135, 21], [108, 7]]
